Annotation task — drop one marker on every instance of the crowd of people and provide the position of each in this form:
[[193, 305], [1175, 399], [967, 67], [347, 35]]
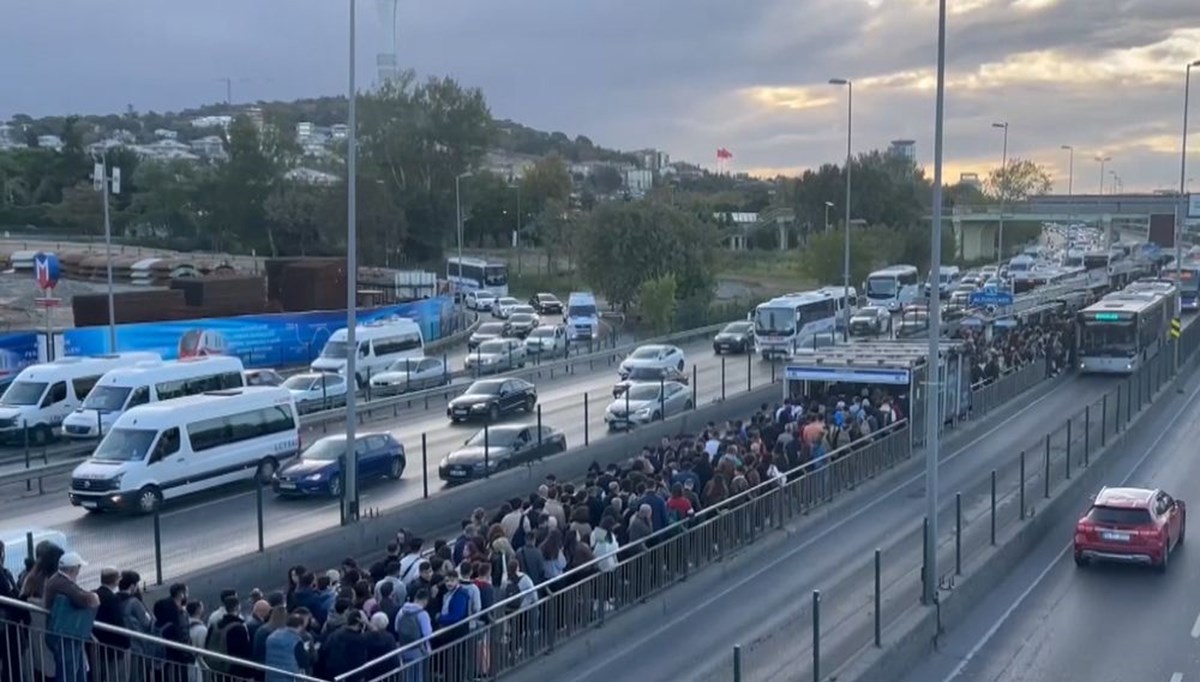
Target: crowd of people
[[1051, 341], [330, 621]]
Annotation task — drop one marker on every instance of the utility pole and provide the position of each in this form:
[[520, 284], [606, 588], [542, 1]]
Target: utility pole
[[350, 470], [106, 183]]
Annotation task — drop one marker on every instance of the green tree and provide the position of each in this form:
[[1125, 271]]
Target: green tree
[[257, 159], [656, 303], [547, 180], [554, 229], [296, 214], [164, 197], [1022, 178], [489, 210], [81, 208], [606, 179]]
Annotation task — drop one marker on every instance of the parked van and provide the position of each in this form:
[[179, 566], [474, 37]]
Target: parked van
[[174, 448], [583, 317], [42, 396], [379, 345], [148, 382]]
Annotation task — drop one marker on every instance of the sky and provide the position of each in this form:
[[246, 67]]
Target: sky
[[683, 76]]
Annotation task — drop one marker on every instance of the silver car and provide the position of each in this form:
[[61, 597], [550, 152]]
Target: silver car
[[646, 403], [410, 374], [485, 332], [550, 339], [497, 355]]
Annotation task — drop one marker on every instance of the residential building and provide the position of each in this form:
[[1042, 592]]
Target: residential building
[[52, 142], [638, 181], [304, 130], [309, 176], [164, 134], [212, 122], [339, 131], [509, 166], [905, 149], [653, 160], [166, 150], [209, 147]]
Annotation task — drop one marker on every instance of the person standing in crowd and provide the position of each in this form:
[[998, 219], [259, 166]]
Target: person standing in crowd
[[110, 646], [413, 625], [346, 649], [197, 635], [11, 620], [72, 613], [287, 654]]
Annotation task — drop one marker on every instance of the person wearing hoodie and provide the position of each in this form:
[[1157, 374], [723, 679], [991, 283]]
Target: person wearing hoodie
[[277, 620], [414, 625], [307, 596], [236, 638], [346, 648]]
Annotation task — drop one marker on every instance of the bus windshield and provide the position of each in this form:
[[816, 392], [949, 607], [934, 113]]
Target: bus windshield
[[107, 398], [881, 287], [495, 276], [775, 321], [1111, 339]]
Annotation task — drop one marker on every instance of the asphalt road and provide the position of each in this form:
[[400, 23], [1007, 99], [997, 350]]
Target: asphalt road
[[1053, 621], [764, 592], [209, 528]]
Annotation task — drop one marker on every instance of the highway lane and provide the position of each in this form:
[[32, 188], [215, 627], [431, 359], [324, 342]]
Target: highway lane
[[223, 524], [1052, 621], [765, 592]]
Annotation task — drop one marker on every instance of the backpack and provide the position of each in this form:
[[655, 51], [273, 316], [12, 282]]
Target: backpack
[[217, 643], [408, 627], [518, 538]]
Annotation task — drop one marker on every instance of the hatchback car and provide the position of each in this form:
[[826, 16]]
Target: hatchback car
[[548, 339], [1131, 526], [315, 391], [645, 403], [735, 337], [318, 471], [870, 321], [410, 374], [504, 306], [500, 447], [520, 324], [648, 375], [492, 398]]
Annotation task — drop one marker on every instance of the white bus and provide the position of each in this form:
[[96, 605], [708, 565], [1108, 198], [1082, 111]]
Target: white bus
[[893, 287], [149, 382], [788, 323], [42, 396], [475, 274], [167, 450], [1121, 331], [379, 345]]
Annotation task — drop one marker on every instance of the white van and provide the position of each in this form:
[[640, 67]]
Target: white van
[[174, 448], [379, 345], [42, 396], [147, 382], [583, 317]]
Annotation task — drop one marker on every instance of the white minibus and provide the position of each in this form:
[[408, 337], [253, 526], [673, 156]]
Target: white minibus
[[379, 345], [42, 396], [177, 447], [147, 382]]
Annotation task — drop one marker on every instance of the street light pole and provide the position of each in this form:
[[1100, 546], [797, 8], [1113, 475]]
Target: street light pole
[[1003, 192], [1070, 170], [108, 184], [350, 468], [458, 209], [846, 246], [933, 363], [1182, 209], [828, 205], [1103, 160]]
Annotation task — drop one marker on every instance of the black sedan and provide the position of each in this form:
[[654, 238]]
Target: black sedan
[[546, 304], [491, 398], [736, 337], [643, 375], [500, 447]]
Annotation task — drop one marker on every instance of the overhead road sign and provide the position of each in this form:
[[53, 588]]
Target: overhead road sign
[[991, 298]]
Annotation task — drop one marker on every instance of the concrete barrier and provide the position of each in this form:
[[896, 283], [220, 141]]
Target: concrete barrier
[[911, 638], [427, 517]]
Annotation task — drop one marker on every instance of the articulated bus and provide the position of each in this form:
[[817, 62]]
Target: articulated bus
[[893, 287], [788, 323], [476, 274], [1189, 285], [1122, 331]]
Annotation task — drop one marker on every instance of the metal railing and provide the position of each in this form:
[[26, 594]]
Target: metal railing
[[30, 652]]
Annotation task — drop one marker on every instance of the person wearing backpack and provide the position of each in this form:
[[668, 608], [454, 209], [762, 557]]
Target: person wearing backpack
[[230, 637], [414, 625]]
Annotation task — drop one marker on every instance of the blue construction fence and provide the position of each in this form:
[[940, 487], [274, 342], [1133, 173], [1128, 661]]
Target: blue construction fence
[[269, 340]]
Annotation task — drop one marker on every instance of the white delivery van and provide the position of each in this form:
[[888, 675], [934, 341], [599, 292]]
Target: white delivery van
[[42, 396], [583, 317], [379, 345], [177, 447], [148, 382]]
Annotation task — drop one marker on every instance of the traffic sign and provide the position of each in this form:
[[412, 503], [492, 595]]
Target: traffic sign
[[1176, 328], [46, 270], [992, 298], [47, 302]]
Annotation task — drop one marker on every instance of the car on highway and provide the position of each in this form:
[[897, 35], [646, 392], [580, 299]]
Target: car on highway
[[318, 471], [262, 377], [548, 339], [497, 355], [647, 402], [485, 332], [654, 355], [519, 325], [315, 391], [1131, 526], [870, 321], [735, 337], [411, 374], [503, 307], [546, 304], [913, 321], [478, 300], [642, 375], [493, 398], [499, 447]]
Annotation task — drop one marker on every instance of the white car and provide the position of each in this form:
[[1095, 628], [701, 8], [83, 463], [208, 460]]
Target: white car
[[548, 338], [652, 356], [647, 402], [497, 355], [479, 300], [485, 332], [411, 374], [504, 307], [870, 321], [315, 391]]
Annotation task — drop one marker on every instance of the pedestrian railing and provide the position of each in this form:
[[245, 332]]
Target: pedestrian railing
[[990, 395], [29, 652]]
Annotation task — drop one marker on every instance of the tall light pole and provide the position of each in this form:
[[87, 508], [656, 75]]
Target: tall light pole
[[828, 205], [1070, 170], [846, 246], [458, 209], [1187, 83], [350, 467], [1103, 160], [933, 420], [106, 183], [1003, 191]]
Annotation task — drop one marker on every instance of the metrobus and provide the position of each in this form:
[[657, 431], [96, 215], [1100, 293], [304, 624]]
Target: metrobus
[[785, 324], [893, 287], [1189, 286], [477, 274], [1122, 331]]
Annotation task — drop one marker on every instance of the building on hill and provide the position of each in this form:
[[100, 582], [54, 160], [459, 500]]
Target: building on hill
[[638, 181], [210, 147], [212, 122], [904, 149]]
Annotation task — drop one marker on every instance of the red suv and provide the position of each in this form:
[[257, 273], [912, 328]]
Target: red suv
[[1131, 525]]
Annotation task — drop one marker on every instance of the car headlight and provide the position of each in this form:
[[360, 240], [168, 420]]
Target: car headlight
[[314, 477], [644, 412], [480, 464], [479, 407]]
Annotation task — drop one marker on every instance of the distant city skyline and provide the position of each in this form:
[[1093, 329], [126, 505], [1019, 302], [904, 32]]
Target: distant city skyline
[[685, 76]]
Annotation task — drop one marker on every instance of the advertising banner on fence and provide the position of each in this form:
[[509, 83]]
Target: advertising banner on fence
[[276, 340], [18, 350]]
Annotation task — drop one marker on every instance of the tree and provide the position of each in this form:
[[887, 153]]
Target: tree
[[547, 180], [823, 258], [1022, 178], [554, 230], [296, 214], [606, 179], [489, 209], [164, 197], [81, 208], [656, 303]]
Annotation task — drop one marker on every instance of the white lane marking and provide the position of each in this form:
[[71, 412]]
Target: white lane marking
[[991, 632], [1177, 677], [1196, 628]]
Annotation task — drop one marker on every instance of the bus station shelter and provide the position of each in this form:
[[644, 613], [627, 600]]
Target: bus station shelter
[[899, 368]]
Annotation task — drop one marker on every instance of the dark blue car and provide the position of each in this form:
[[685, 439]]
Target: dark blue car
[[318, 471]]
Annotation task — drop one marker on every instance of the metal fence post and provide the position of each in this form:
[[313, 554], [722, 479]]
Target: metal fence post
[[878, 601], [158, 577], [695, 403], [29, 544], [539, 424], [1068, 457], [722, 377], [737, 663], [25, 434], [487, 463], [1046, 477], [749, 371], [1104, 419], [586, 421], [424, 465], [816, 643], [993, 507], [1129, 401], [924, 553], [957, 533], [1087, 435], [258, 509], [1022, 485]]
